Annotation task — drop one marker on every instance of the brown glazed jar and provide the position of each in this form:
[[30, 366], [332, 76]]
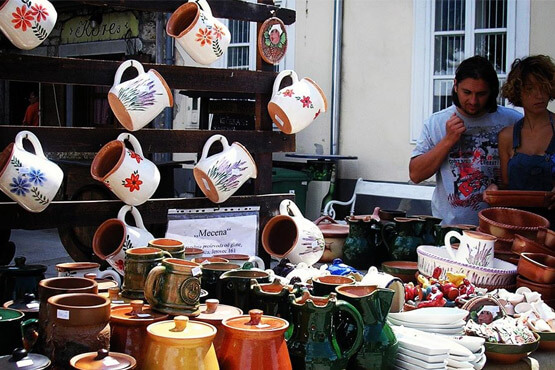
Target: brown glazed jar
[[213, 313], [78, 323]]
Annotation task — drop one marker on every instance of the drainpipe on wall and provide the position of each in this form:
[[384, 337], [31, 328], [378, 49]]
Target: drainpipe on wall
[[336, 75], [169, 60]]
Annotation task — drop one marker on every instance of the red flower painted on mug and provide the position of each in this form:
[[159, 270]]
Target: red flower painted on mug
[[39, 11], [22, 18], [218, 32], [133, 182], [135, 156], [317, 114], [288, 92], [204, 36], [306, 101], [119, 265]]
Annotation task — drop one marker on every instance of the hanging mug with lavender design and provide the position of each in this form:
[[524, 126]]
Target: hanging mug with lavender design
[[32, 180], [221, 174], [138, 101], [27, 23]]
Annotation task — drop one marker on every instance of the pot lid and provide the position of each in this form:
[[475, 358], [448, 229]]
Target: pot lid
[[21, 360], [21, 268], [135, 313], [26, 304], [7, 314], [103, 360], [181, 328], [330, 230], [255, 321], [212, 310]]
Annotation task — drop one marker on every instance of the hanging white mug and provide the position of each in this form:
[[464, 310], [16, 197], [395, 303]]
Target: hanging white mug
[[127, 173], [114, 236], [138, 101], [475, 248], [32, 180], [201, 35], [294, 107], [27, 23], [221, 174]]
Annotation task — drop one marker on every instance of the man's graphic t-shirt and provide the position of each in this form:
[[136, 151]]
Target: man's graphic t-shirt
[[472, 163]]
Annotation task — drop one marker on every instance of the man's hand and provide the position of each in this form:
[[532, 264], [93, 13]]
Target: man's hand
[[486, 198], [455, 128]]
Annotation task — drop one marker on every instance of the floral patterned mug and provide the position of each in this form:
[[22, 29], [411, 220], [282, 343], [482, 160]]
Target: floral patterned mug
[[220, 175], [475, 248], [138, 101], [296, 106], [27, 23], [127, 173], [32, 180]]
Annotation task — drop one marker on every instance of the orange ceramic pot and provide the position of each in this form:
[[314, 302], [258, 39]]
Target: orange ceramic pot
[[254, 341], [103, 360], [212, 312]]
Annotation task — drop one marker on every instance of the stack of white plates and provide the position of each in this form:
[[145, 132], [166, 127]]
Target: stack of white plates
[[476, 346], [438, 320]]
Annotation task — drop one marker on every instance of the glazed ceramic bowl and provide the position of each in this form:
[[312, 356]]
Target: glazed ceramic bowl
[[510, 353], [522, 244], [537, 267], [518, 198], [507, 257], [501, 275], [506, 222], [404, 270], [546, 290], [547, 340]]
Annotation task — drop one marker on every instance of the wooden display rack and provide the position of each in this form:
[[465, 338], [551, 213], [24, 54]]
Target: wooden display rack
[[261, 142]]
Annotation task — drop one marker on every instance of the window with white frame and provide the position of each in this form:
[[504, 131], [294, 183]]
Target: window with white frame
[[449, 31]]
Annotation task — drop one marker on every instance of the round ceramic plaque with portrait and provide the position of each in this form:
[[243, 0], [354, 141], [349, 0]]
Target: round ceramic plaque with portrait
[[272, 40]]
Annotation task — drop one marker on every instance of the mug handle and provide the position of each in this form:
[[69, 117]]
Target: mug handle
[[134, 142], [123, 66], [110, 273], [32, 138], [150, 281], [204, 6], [353, 312], [136, 216], [281, 76], [289, 208], [258, 262], [447, 242], [211, 141]]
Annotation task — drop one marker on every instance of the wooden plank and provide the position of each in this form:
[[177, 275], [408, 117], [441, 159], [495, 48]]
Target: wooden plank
[[231, 9], [78, 139], [72, 71], [94, 212]]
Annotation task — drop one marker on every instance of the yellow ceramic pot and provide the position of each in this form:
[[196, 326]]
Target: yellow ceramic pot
[[180, 344]]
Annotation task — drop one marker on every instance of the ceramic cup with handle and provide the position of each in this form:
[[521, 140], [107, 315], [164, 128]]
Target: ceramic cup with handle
[[197, 32], [114, 236], [80, 269], [385, 280], [138, 101], [32, 180], [27, 23], [475, 248], [127, 173], [294, 107], [221, 174]]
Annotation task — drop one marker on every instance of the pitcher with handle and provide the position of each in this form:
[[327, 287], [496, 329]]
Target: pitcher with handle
[[403, 237]]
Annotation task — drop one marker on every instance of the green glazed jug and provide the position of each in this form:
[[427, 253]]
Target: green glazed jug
[[360, 248], [313, 344], [379, 347], [429, 230], [403, 237]]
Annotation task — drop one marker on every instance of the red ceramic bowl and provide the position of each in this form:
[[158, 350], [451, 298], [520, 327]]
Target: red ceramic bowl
[[522, 245], [546, 290], [537, 267], [507, 256], [506, 222]]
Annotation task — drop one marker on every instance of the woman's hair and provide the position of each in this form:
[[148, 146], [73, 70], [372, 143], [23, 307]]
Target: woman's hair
[[478, 67], [539, 66]]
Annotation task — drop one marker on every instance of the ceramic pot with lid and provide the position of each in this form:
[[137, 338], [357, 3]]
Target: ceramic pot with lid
[[19, 279], [254, 341], [21, 360], [213, 313], [103, 360], [29, 305], [128, 328], [334, 237], [180, 344]]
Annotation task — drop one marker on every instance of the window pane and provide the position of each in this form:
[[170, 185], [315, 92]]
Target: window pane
[[449, 52], [449, 15], [491, 13], [493, 47], [442, 94], [239, 31], [238, 57]]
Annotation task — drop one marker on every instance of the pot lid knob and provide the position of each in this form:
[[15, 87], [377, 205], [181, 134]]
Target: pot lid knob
[[102, 353], [20, 261], [113, 293], [28, 297], [255, 315], [211, 305], [136, 307], [180, 323], [19, 354]]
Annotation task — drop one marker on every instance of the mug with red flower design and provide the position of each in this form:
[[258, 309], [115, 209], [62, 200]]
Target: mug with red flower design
[[114, 236], [32, 180], [27, 23], [127, 173], [221, 174], [294, 107], [196, 31]]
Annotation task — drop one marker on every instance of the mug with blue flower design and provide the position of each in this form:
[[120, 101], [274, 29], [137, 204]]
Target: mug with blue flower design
[[32, 180]]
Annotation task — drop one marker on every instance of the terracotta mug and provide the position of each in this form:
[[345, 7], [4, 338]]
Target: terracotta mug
[[27, 23], [221, 174], [80, 269], [292, 236], [175, 247], [127, 173], [32, 180], [294, 107], [138, 101], [197, 32], [114, 236], [475, 248], [138, 263]]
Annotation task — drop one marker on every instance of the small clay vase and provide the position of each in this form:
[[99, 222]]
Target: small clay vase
[[213, 313], [138, 263]]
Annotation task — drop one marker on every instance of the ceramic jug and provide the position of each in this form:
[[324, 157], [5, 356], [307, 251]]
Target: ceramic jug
[[211, 273], [324, 285], [379, 346], [429, 228], [138, 263], [314, 342], [385, 280], [441, 230], [84, 268], [403, 237], [213, 313], [272, 298], [334, 236], [360, 248], [236, 286], [20, 279]]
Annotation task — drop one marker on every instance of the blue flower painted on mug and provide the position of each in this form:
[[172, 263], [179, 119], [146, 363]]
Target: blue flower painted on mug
[[36, 177], [20, 186]]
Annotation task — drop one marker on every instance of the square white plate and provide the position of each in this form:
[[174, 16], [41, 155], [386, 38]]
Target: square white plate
[[424, 357], [423, 364], [431, 315]]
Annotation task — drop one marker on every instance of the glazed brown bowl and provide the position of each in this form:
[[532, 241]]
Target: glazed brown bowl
[[537, 267], [546, 290], [506, 222], [507, 256], [522, 244], [404, 270]]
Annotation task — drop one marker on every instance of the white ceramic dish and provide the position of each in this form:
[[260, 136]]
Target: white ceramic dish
[[480, 352], [468, 358], [474, 344], [423, 339], [479, 365], [421, 356], [458, 364], [502, 274], [427, 348], [431, 315], [407, 365], [422, 364], [456, 325]]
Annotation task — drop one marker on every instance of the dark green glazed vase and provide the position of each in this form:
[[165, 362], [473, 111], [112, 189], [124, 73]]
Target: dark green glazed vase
[[403, 237], [313, 344], [379, 346], [429, 229], [360, 248]]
